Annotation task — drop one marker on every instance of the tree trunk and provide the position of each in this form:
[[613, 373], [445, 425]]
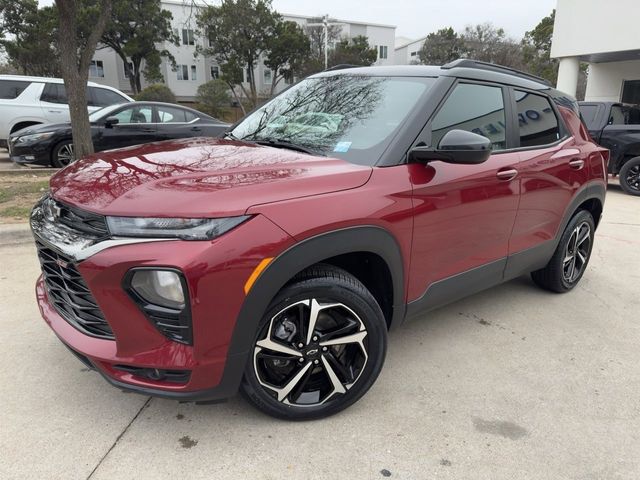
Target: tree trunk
[[235, 95], [75, 60], [137, 75]]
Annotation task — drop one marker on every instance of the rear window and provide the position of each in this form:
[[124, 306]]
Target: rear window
[[10, 89], [101, 97], [54, 93], [589, 114], [538, 122]]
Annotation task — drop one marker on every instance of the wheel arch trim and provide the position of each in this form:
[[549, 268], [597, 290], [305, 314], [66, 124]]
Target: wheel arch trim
[[366, 238]]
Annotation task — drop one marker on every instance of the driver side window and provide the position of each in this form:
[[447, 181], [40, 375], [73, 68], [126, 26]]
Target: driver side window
[[475, 108], [134, 115]]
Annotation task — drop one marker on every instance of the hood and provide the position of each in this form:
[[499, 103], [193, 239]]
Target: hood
[[202, 177], [42, 128]]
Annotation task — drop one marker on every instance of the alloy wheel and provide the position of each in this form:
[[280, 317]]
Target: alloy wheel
[[577, 252], [632, 178], [65, 154], [311, 352]]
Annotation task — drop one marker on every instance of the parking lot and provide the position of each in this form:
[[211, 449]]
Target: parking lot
[[512, 383]]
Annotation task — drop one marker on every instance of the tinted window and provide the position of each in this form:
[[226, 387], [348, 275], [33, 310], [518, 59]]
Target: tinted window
[[141, 114], [475, 108], [54, 93], [631, 91], [172, 115], [538, 121], [10, 89], [103, 97], [616, 117], [344, 116], [589, 114]]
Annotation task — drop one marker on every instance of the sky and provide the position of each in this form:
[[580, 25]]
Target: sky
[[417, 18]]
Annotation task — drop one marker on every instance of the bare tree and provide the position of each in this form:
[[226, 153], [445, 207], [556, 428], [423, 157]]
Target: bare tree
[[82, 23]]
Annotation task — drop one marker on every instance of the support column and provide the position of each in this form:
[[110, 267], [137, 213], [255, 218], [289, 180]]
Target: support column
[[568, 71]]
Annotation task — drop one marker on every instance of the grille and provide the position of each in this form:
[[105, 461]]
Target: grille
[[82, 221], [70, 295]]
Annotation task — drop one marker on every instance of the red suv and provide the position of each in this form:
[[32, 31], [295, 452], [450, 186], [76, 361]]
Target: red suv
[[274, 261]]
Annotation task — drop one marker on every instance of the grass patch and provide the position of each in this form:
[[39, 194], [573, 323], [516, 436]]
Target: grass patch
[[16, 212], [18, 194], [12, 190]]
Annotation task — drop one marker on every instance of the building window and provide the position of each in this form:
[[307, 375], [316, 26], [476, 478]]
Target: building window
[[631, 92], [413, 54], [176, 33], [194, 73], [124, 69], [382, 51], [96, 69], [215, 72], [183, 72], [267, 77], [187, 37]]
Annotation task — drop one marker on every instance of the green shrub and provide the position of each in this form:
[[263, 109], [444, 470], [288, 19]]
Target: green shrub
[[213, 97], [157, 92]]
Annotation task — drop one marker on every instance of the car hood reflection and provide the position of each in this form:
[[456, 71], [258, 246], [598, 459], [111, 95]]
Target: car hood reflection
[[201, 177]]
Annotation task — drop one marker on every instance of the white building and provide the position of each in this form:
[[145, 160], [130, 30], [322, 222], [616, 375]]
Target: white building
[[604, 34], [194, 70], [407, 50]]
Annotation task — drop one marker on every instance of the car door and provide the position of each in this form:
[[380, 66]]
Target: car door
[[463, 214], [553, 166], [135, 126], [176, 122], [54, 103]]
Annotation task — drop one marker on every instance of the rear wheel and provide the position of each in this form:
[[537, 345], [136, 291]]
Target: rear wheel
[[630, 176], [319, 348], [570, 260], [63, 154]]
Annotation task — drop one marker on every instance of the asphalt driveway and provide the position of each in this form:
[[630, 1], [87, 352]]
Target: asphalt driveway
[[512, 383]]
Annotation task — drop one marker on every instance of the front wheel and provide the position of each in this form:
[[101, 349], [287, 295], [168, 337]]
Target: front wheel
[[630, 176], [319, 347], [570, 260], [63, 154]]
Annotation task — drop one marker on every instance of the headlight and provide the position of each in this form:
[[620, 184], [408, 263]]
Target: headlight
[[183, 228], [36, 137]]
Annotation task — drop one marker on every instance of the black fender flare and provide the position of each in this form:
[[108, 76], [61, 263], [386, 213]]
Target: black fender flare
[[366, 238]]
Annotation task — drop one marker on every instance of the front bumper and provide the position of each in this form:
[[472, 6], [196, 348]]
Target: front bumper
[[216, 272], [39, 154]]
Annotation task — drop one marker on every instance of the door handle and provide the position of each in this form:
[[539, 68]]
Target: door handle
[[148, 130], [196, 129], [576, 164], [508, 174], [54, 111]]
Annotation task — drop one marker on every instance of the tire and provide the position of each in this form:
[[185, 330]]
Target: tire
[[630, 176], [570, 260], [292, 373], [62, 154]]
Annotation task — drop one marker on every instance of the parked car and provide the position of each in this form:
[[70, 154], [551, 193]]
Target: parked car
[[27, 101], [275, 260], [617, 127], [113, 127]]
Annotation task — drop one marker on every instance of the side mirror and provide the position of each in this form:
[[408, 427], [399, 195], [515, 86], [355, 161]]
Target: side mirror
[[457, 146], [111, 121]]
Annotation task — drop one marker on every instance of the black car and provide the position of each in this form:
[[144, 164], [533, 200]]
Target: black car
[[113, 127], [617, 127]]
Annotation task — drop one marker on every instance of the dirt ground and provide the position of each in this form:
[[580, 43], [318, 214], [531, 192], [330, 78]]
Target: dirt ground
[[18, 193]]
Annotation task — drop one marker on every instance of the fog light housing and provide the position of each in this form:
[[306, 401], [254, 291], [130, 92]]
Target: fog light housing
[[163, 296], [159, 287]]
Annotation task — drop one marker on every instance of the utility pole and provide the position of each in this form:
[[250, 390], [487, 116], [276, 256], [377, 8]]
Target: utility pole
[[325, 31]]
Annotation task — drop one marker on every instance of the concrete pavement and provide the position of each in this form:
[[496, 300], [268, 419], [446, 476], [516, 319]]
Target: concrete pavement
[[512, 383]]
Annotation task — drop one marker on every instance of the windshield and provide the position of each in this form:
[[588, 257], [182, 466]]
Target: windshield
[[103, 112], [349, 117]]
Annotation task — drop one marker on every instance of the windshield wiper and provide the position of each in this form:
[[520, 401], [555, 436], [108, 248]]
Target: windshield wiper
[[279, 143]]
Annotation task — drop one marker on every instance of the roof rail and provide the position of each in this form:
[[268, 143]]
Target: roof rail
[[342, 66], [469, 63]]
